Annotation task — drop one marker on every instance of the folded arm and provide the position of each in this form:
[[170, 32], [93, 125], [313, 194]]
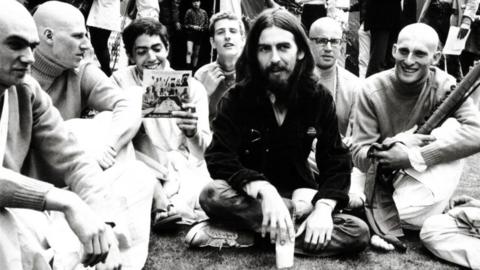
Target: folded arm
[[102, 95]]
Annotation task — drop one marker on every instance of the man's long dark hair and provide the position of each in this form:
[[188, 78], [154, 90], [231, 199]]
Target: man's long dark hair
[[248, 68]]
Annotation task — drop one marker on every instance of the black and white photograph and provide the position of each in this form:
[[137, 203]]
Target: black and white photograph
[[239, 134]]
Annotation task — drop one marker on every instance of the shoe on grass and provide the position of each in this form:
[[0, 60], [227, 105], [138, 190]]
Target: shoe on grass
[[205, 234]]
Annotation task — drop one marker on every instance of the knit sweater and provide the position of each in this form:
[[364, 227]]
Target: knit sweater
[[164, 132], [35, 124], [214, 95], [382, 111], [73, 90]]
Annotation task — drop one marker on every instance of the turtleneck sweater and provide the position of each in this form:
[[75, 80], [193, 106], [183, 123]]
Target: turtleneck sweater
[[74, 90], [386, 107]]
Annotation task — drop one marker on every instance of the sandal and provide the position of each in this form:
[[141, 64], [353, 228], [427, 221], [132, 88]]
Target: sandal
[[161, 221]]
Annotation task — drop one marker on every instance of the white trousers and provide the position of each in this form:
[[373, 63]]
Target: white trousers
[[30, 239], [130, 188], [454, 236], [419, 195]]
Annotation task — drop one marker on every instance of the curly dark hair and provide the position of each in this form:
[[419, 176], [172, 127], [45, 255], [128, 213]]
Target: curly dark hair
[[142, 26]]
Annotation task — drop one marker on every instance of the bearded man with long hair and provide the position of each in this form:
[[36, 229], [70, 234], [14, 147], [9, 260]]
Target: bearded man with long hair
[[263, 133]]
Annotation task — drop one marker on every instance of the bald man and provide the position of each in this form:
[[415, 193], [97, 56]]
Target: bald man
[[392, 104], [74, 84], [326, 38], [41, 226]]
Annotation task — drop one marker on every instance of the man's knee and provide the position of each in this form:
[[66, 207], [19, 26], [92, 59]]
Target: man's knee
[[212, 195], [355, 233], [414, 217], [431, 228]]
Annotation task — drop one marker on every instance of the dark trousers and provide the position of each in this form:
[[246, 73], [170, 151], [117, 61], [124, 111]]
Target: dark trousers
[[381, 42], [238, 210], [99, 38]]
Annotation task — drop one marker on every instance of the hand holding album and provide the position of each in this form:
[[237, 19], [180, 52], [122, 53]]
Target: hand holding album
[[165, 92]]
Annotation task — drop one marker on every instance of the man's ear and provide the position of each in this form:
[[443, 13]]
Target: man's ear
[[300, 55], [436, 57], [48, 35], [394, 50]]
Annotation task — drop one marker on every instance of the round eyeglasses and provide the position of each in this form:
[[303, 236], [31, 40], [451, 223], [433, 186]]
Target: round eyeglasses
[[334, 42]]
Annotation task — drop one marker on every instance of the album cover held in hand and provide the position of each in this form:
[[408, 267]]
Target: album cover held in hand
[[165, 91]]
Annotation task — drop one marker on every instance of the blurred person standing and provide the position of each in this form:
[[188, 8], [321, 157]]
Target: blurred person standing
[[103, 18]]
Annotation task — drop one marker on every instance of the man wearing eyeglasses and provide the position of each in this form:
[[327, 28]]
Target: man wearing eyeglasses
[[326, 38], [391, 105]]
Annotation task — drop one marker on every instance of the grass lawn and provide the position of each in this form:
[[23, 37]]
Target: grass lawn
[[169, 251]]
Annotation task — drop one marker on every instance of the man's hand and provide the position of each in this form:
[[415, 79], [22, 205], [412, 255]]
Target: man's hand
[[113, 260], [106, 157], [411, 139], [187, 120], [213, 79], [464, 201], [276, 218], [90, 230], [394, 158], [318, 228]]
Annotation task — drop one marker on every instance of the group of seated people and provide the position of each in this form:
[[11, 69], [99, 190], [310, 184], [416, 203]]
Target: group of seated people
[[277, 140]]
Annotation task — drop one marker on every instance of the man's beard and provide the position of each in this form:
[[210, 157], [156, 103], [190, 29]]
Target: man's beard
[[279, 87]]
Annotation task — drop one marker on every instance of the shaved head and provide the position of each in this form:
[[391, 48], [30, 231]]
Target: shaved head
[[62, 32], [421, 32], [326, 54], [415, 52], [18, 38], [14, 11], [325, 24], [56, 15]]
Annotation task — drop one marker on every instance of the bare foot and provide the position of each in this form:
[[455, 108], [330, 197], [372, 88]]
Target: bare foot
[[379, 243]]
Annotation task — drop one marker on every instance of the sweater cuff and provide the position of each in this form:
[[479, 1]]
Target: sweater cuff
[[31, 196], [430, 155]]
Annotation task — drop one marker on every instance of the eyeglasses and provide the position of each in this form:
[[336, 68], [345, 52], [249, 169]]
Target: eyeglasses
[[335, 42]]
